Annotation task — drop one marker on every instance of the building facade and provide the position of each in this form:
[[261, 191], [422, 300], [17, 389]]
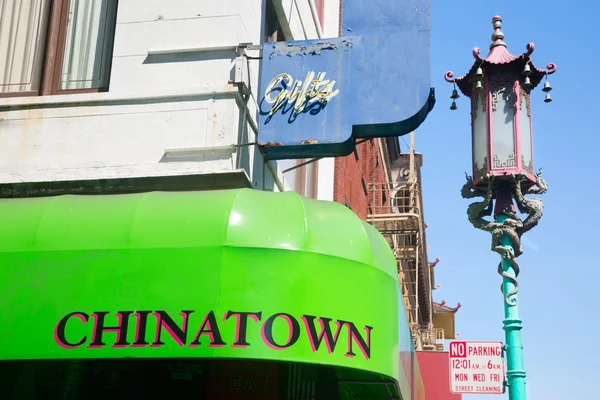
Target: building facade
[[139, 94], [382, 183], [129, 97]]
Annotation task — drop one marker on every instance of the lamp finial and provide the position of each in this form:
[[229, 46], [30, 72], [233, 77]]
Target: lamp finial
[[498, 35]]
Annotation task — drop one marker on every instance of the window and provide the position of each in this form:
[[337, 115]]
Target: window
[[273, 32], [55, 46], [300, 177]]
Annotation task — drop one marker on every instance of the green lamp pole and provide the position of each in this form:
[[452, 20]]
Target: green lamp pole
[[499, 88]]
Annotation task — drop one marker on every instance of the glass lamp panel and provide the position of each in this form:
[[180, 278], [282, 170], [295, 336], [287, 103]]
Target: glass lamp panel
[[525, 128], [479, 130], [503, 115]]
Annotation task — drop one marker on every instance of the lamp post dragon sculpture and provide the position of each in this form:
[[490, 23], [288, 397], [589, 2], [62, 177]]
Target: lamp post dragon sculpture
[[512, 226]]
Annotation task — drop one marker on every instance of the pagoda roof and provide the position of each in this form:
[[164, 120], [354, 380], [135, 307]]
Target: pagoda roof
[[442, 307], [500, 56]]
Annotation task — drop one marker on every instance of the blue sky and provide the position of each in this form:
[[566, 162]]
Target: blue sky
[[558, 269]]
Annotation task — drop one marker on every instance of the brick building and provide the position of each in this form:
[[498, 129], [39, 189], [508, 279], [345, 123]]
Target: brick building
[[369, 163], [382, 185]]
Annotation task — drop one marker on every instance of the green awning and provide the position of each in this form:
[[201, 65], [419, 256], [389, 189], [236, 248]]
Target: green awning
[[216, 274], [233, 218]]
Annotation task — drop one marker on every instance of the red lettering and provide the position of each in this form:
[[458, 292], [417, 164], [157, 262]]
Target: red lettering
[[458, 349], [484, 351], [461, 377]]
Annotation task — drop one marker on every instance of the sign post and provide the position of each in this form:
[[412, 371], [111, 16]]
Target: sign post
[[476, 367]]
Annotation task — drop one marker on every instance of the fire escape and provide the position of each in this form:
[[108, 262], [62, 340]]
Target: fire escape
[[396, 211]]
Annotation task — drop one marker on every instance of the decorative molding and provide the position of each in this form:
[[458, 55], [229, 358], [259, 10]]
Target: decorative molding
[[510, 162], [502, 85], [481, 170], [226, 89]]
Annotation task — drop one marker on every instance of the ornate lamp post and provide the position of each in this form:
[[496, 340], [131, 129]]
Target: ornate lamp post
[[499, 87]]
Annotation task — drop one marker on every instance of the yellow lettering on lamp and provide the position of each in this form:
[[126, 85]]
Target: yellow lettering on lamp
[[299, 93]]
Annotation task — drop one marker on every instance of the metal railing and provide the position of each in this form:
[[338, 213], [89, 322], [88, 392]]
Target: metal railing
[[439, 339], [393, 198], [394, 209], [439, 335]]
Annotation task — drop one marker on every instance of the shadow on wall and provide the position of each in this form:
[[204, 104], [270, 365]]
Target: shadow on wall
[[194, 57]]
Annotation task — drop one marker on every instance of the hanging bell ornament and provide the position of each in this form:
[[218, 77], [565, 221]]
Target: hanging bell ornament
[[547, 88], [453, 106], [455, 94], [547, 99], [478, 85], [527, 70], [479, 72], [527, 82]]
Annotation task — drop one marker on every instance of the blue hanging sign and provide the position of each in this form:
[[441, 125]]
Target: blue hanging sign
[[317, 96]]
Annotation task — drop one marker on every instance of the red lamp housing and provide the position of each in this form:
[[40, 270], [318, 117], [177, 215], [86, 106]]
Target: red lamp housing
[[499, 87]]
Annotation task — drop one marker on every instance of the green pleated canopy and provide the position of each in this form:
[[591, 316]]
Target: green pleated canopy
[[243, 218], [182, 267]]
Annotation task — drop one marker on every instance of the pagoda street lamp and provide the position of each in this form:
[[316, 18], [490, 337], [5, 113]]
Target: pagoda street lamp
[[499, 87]]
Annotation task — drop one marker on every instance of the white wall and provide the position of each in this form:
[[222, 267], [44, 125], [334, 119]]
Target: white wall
[[171, 88], [331, 28], [300, 26]]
